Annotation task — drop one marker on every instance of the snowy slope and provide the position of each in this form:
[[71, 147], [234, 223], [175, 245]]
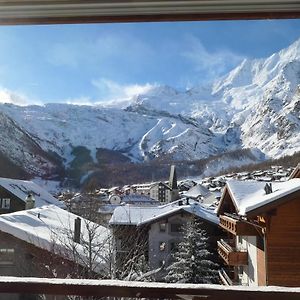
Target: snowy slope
[[61, 127], [256, 106]]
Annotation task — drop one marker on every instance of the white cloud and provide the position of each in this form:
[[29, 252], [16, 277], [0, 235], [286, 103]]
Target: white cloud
[[17, 98], [112, 90], [212, 64], [104, 49]]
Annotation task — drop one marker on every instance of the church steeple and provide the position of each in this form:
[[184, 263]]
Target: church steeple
[[173, 178]]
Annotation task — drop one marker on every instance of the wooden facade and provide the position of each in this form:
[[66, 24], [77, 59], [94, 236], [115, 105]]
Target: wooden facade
[[19, 258], [283, 245], [15, 203], [275, 240]]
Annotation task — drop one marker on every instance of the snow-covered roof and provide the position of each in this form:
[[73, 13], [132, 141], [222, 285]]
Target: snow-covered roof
[[250, 195], [138, 198], [196, 191], [52, 228], [161, 183], [133, 215], [21, 189]]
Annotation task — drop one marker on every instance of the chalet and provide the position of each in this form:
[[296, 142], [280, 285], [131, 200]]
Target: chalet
[[156, 231], [163, 192], [201, 194], [263, 226], [14, 193], [106, 210], [50, 242]]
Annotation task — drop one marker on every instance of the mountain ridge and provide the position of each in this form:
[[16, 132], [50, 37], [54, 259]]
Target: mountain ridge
[[255, 106]]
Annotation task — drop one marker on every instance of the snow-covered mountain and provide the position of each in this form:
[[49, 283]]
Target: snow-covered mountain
[[255, 106]]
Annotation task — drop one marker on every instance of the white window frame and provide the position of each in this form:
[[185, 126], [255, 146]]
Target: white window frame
[[7, 256], [5, 203]]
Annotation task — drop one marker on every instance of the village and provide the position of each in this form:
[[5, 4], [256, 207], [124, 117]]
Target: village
[[248, 221]]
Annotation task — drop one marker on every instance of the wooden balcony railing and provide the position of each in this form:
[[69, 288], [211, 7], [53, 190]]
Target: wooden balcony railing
[[231, 255], [237, 227], [131, 289], [226, 279]]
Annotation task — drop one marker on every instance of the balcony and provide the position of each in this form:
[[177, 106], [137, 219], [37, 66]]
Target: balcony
[[232, 256], [139, 290], [226, 278], [237, 227]]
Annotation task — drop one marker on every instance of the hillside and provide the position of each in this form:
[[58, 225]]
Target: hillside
[[255, 106]]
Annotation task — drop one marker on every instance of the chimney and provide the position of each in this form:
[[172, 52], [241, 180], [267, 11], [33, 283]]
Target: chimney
[[268, 188], [173, 178], [29, 201], [77, 230]]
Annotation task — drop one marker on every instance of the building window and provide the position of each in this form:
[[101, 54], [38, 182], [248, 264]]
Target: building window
[[5, 203], [162, 227], [7, 256], [176, 227], [173, 246]]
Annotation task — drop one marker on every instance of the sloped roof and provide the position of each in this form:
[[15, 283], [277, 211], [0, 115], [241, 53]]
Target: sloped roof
[[133, 215], [21, 189], [52, 228], [138, 198], [196, 191], [250, 195]]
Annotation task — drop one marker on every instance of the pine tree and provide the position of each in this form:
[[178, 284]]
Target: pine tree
[[192, 262]]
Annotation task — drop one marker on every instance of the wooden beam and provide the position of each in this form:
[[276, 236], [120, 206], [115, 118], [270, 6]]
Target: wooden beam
[[115, 288], [94, 11]]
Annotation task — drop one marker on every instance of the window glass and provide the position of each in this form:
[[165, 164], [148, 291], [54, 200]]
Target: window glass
[[5, 203], [176, 227], [162, 227], [7, 256]]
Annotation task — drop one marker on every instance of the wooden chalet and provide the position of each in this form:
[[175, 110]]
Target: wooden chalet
[[50, 242], [263, 229], [14, 193]]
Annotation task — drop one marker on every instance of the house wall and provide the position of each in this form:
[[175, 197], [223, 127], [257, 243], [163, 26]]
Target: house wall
[[159, 254], [252, 261], [160, 192], [130, 243], [163, 194], [30, 261], [283, 245], [261, 264], [247, 275], [15, 203]]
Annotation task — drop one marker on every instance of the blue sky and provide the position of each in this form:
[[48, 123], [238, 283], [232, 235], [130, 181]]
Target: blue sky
[[98, 62]]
